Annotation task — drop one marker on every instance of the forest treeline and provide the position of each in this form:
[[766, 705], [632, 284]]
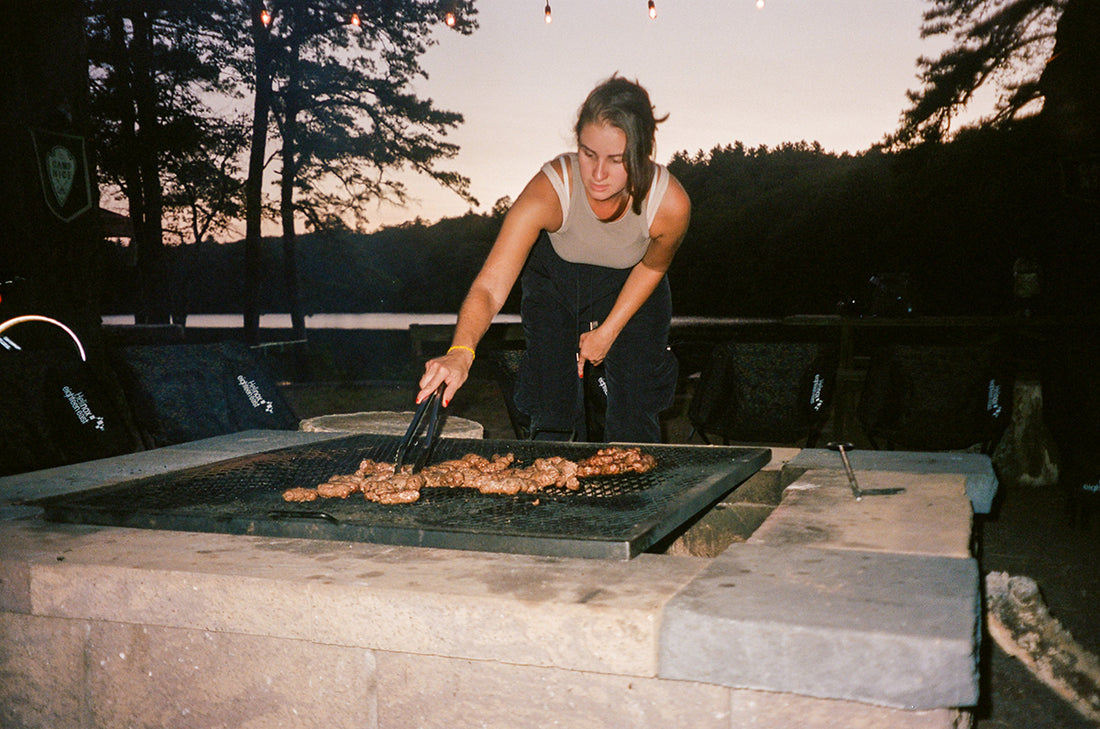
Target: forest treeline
[[791, 229]]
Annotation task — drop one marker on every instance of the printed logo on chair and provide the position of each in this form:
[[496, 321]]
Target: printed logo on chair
[[63, 172], [255, 397], [83, 411]]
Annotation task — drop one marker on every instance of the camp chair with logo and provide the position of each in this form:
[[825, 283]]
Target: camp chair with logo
[[186, 392], [765, 392], [936, 397], [57, 410]]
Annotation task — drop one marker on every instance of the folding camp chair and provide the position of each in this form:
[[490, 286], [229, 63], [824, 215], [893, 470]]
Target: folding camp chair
[[936, 397], [765, 391]]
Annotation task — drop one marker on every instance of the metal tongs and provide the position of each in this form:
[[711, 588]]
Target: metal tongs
[[412, 439]]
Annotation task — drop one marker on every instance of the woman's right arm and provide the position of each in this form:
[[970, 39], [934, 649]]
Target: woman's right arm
[[536, 209]]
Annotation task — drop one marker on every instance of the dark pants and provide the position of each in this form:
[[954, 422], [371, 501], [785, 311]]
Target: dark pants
[[560, 300]]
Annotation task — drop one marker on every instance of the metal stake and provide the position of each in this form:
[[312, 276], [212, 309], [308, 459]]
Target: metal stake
[[843, 448]]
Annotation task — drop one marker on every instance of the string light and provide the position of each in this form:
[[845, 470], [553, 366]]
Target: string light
[[652, 9], [549, 19], [759, 4], [450, 20], [355, 19], [265, 17]]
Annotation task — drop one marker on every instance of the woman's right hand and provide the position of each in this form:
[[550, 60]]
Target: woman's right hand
[[452, 368]]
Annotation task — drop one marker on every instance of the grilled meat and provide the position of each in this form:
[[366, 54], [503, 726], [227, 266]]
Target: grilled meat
[[377, 481]]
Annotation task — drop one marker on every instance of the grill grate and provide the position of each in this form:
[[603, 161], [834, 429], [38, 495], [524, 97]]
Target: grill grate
[[609, 517]]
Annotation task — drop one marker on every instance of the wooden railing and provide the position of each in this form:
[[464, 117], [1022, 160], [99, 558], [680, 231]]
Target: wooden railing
[[1023, 340], [856, 338]]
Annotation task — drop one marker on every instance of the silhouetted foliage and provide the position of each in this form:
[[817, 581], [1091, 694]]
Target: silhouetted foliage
[[783, 231], [795, 230], [998, 44], [152, 70]]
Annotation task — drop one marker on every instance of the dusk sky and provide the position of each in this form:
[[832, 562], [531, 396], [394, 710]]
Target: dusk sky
[[830, 71]]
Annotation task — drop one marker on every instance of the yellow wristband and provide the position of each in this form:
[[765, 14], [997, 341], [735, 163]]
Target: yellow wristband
[[473, 354]]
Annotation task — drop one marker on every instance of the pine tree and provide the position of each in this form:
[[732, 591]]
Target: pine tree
[[997, 44], [337, 76]]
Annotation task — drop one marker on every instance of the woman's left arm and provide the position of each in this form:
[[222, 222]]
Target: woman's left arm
[[667, 231]]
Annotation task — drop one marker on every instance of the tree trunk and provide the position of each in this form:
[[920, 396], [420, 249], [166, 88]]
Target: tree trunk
[[290, 170], [1071, 79], [152, 261], [261, 107], [120, 57]]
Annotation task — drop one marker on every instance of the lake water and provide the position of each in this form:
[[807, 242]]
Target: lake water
[[375, 322], [370, 322]]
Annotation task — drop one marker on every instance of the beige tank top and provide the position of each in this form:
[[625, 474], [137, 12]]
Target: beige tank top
[[584, 238]]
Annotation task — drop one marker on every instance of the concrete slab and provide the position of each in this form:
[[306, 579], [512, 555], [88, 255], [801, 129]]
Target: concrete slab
[[931, 516], [388, 422], [91, 474], [765, 710], [429, 692], [981, 481], [41, 662], [578, 614], [781, 457], [145, 676], [893, 630]]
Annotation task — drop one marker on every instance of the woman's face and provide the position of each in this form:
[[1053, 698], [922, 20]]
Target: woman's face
[[600, 152]]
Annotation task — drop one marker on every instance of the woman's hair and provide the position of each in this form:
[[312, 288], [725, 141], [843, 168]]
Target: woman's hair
[[625, 105]]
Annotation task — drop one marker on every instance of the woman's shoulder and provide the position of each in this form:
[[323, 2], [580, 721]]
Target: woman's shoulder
[[676, 197], [539, 202], [560, 165], [673, 211]]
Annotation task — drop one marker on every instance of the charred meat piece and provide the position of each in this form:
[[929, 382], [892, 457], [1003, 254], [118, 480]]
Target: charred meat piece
[[339, 487], [610, 461]]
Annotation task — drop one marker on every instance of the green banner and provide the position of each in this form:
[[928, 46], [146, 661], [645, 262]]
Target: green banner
[[63, 172]]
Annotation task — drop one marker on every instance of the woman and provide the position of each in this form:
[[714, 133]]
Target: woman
[[593, 234]]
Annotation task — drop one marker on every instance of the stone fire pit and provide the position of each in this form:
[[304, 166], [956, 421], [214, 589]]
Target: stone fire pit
[[832, 613]]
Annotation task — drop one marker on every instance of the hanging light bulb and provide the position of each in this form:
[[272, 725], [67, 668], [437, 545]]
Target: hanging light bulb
[[355, 19], [759, 4], [265, 17], [450, 20], [549, 19], [652, 9]]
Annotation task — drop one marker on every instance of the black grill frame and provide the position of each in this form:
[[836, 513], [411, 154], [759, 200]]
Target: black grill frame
[[610, 517]]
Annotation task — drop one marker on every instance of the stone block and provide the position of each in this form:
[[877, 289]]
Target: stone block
[[930, 516], [164, 678], [727, 523], [975, 468], [173, 599], [591, 615], [15, 586], [763, 487], [764, 710], [429, 692], [41, 672], [597, 615], [388, 422], [893, 630]]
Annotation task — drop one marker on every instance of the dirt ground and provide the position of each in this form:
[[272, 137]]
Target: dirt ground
[[1033, 531]]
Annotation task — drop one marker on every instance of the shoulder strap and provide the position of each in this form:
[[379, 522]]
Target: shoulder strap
[[656, 194], [560, 183]]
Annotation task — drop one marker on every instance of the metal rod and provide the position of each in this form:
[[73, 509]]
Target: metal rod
[[843, 449]]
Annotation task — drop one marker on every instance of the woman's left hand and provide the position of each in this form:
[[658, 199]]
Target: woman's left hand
[[593, 347]]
